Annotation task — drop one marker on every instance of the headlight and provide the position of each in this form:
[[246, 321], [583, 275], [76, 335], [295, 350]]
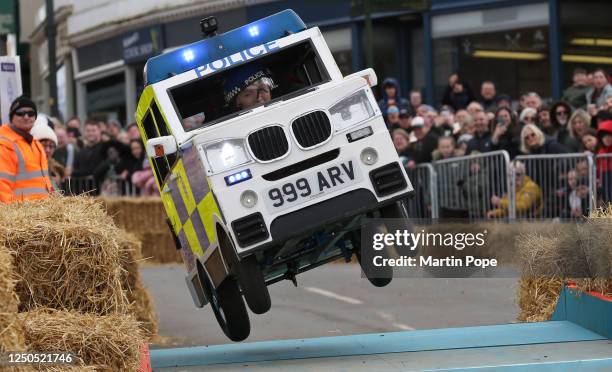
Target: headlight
[[226, 154], [351, 110]]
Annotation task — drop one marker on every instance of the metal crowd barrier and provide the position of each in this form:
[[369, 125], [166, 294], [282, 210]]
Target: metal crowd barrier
[[558, 186], [467, 184], [570, 185], [114, 186], [424, 203]]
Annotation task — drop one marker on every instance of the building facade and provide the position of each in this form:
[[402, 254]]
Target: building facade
[[522, 45]]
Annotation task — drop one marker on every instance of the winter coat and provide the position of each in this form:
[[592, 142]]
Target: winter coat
[[606, 92], [400, 102], [528, 201], [576, 96], [480, 143]]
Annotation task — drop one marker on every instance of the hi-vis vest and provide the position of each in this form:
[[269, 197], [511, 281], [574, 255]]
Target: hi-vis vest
[[24, 173]]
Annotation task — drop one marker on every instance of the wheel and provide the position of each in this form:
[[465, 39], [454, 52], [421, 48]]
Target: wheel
[[228, 306], [382, 276], [394, 210], [249, 275], [253, 285]]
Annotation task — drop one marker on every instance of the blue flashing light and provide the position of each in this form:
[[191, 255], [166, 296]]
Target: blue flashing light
[[254, 31], [188, 55], [238, 177], [205, 51]]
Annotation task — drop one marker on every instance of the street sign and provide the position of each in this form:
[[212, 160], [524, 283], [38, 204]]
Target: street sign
[[7, 17], [10, 84], [142, 44]]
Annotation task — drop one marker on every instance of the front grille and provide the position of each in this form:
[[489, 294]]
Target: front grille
[[311, 129], [268, 143], [388, 179], [250, 229]]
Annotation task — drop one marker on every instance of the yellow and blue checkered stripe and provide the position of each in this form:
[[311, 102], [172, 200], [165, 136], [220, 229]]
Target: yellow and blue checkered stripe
[[189, 202]]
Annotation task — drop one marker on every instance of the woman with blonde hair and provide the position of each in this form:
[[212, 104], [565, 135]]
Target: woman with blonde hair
[[579, 125], [541, 171], [533, 141]]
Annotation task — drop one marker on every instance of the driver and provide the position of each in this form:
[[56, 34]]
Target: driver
[[250, 87]]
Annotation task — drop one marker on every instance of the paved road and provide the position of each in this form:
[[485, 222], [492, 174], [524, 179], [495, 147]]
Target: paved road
[[334, 300]]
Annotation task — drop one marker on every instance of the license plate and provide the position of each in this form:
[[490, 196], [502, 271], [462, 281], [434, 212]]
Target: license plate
[[312, 185]]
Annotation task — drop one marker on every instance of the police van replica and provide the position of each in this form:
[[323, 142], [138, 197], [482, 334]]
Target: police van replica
[[267, 160]]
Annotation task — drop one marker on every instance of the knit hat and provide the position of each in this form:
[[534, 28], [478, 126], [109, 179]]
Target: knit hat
[[393, 110], [21, 102], [417, 122], [43, 132]]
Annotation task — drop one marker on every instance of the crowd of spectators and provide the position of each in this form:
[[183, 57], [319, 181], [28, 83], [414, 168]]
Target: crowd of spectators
[[466, 122], [104, 159]]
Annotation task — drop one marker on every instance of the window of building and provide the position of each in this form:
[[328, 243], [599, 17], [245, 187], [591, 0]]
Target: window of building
[[516, 60], [105, 98]]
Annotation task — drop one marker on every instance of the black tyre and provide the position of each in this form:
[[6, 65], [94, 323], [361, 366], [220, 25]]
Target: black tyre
[[253, 285], [384, 276], [249, 276], [394, 210], [228, 307]]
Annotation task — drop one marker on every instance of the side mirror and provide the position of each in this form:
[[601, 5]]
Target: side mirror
[[161, 146], [368, 74]]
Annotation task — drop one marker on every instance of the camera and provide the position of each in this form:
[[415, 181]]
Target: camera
[[209, 26]]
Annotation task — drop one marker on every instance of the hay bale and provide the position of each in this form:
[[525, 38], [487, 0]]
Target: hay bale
[[158, 246], [143, 309], [108, 342], [11, 329], [141, 304], [146, 219], [137, 215], [130, 256], [8, 298], [572, 252], [66, 254], [538, 298]]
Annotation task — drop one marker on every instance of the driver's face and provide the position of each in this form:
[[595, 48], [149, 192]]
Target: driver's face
[[254, 94]]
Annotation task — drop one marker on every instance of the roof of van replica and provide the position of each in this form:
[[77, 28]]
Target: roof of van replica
[[197, 54]]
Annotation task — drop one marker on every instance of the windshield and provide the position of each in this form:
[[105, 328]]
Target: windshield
[[274, 76]]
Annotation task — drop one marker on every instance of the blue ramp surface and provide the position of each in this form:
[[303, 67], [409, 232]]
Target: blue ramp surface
[[367, 344]]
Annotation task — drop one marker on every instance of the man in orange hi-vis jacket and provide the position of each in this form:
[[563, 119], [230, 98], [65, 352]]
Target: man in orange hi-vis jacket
[[24, 171]]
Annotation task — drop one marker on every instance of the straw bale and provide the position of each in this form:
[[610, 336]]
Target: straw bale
[[146, 219], [572, 252], [537, 298], [67, 255], [130, 255], [159, 247], [11, 329], [141, 304], [143, 309], [137, 215], [8, 298], [109, 342]]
